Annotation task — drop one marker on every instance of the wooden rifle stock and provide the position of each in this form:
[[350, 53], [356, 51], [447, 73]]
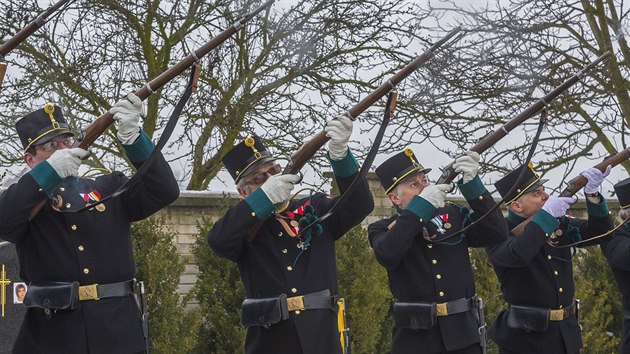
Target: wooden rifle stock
[[449, 174], [308, 150], [579, 182], [24, 33], [96, 128]]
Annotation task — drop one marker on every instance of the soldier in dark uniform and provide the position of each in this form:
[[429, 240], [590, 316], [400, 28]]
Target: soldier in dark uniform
[[436, 310], [290, 282], [617, 251], [89, 250], [536, 278]]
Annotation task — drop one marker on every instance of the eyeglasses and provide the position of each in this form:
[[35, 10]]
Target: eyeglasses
[[54, 144], [261, 177]]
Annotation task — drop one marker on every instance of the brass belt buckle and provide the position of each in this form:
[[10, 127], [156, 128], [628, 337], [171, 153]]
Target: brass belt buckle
[[556, 315], [295, 303], [442, 310], [88, 292]]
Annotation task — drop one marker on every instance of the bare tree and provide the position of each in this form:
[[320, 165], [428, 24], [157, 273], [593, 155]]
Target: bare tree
[[514, 52], [282, 76]]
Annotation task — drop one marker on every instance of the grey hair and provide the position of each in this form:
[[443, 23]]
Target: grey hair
[[624, 213], [243, 185]]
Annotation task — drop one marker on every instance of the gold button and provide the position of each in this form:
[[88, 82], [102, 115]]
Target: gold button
[[279, 234], [68, 205], [39, 190], [430, 245], [86, 271], [73, 227], [284, 250], [421, 220], [289, 268], [438, 276], [81, 248], [297, 312], [555, 272], [62, 189], [560, 290], [434, 261], [441, 293], [294, 290], [481, 197], [253, 213], [548, 257]]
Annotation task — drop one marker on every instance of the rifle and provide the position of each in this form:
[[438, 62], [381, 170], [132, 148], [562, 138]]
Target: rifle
[[95, 129], [578, 182], [449, 174], [299, 158], [24, 33]]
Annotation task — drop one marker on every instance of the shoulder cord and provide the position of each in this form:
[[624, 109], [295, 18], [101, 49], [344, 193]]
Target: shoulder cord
[[550, 243]]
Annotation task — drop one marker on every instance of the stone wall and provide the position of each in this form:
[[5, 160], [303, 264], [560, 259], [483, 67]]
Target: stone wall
[[194, 206]]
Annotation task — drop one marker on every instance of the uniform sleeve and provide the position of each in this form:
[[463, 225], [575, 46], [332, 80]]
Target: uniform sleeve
[[617, 251], [227, 235], [493, 228], [391, 244], [358, 205], [599, 222], [517, 252], [16, 204], [156, 189]]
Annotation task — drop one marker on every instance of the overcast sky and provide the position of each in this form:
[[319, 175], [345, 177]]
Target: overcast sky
[[429, 156]]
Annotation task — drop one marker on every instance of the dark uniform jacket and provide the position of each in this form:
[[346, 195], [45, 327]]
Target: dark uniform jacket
[[421, 271], [268, 265], [91, 247], [533, 273], [617, 251]]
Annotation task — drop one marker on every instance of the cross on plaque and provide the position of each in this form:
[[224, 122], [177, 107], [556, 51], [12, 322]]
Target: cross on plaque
[[4, 281]]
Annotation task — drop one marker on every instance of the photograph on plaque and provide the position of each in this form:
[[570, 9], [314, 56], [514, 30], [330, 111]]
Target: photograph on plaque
[[19, 291]]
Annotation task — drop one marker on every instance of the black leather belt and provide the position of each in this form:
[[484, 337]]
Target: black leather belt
[[313, 301], [104, 291], [455, 306], [557, 314]]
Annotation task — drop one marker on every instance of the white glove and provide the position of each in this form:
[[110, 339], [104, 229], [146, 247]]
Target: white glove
[[339, 131], [435, 194], [127, 115], [66, 162], [278, 188], [467, 165], [558, 206], [595, 179]]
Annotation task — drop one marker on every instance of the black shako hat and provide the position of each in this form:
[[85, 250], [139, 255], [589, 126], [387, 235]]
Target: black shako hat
[[397, 168], [622, 189], [246, 157], [42, 125], [530, 181]]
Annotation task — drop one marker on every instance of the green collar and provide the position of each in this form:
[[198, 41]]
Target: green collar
[[512, 217]]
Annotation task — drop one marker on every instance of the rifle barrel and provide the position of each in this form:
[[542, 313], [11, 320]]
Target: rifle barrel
[[308, 150], [94, 130], [449, 174], [29, 29]]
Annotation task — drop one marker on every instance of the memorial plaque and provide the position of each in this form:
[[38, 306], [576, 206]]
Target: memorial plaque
[[12, 290]]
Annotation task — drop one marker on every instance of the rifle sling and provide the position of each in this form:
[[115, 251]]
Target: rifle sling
[[367, 163], [168, 130], [532, 149]]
